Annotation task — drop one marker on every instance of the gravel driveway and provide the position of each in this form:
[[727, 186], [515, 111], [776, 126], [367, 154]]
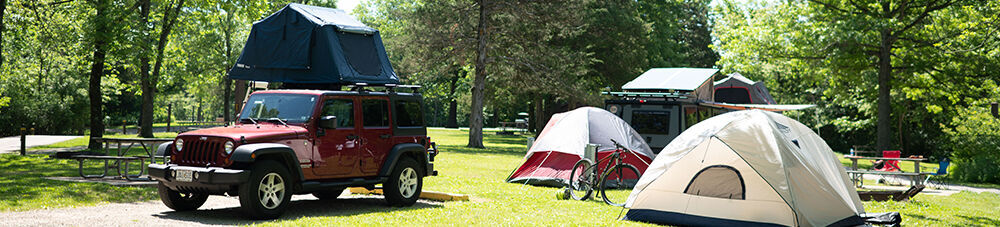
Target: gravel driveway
[[218, 210]]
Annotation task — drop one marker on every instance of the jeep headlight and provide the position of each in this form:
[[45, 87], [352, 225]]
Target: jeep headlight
[[229, 147], [179, 144]]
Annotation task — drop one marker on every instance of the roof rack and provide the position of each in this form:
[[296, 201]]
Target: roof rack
[[414, 88], [673, 95], [389, 88]]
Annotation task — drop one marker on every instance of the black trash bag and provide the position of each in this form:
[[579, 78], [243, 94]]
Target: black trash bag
[[891, 219]]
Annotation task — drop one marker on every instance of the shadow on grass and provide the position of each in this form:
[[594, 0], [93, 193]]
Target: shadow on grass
[[24, 186], [512, 151], [984, 221], [297, 209], [924, 218]]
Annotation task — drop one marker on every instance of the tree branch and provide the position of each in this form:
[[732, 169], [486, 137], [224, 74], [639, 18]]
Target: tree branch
[[927, 11]]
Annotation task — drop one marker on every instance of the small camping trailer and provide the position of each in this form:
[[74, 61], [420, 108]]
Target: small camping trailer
[[662, 102], [748, 167], [737, 89], [561, 144], [310, 45]]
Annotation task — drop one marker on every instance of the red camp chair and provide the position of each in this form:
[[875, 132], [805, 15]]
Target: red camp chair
[[890, 165]]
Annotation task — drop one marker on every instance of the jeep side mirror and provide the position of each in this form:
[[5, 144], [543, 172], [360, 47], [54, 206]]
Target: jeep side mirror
[[329, 122]]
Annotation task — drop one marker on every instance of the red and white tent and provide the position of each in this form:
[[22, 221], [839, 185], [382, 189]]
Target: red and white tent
[[561, 144]]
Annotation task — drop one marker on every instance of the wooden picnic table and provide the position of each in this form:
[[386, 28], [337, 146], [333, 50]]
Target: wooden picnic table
[[857, 175], [120, 156], [150, 150]]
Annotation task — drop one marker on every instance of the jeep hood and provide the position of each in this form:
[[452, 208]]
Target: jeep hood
[[252, 133]]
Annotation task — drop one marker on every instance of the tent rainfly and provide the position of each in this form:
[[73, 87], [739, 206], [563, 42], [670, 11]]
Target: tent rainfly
[[737, 89], [303, 44], [742, 168], [561, 144]]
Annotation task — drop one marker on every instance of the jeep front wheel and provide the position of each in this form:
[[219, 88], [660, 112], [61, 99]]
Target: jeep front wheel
[[404, 185], [267, 193], [180, 201]]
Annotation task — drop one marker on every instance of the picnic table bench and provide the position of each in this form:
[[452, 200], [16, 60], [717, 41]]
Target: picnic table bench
[[120, 157], [858, 175], [120, 163]]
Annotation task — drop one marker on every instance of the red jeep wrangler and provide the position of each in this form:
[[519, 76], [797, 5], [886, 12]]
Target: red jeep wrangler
[[302, 141]]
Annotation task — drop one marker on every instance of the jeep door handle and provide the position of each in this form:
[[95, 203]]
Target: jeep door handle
[[384, 136], [352, 137]]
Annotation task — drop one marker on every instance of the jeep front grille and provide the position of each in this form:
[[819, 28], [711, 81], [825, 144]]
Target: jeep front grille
[[198, 152]]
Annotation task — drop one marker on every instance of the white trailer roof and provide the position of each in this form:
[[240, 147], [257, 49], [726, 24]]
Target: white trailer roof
[[686, 79]]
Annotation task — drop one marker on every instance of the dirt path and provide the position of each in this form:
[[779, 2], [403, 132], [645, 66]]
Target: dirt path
[[217, 211]]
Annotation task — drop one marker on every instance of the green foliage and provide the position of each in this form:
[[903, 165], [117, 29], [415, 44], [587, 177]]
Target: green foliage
[[975, 142], [808, 52]]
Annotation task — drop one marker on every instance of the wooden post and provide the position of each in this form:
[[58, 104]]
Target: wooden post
[[23, 141], [123, 126], [994, 109], [169, 106]]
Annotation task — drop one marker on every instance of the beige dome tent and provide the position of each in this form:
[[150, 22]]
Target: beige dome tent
[[746, 168]]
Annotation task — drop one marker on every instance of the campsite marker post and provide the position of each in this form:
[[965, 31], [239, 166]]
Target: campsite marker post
[[23, 141], [994, 109]]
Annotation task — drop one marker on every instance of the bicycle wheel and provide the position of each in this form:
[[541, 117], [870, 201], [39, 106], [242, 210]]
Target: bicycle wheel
[[618, 183], [581, 180]]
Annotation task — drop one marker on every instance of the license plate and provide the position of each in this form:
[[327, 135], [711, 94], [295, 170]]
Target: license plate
[[182, 175]]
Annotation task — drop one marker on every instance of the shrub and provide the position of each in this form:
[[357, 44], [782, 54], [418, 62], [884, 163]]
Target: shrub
[[975, 141]]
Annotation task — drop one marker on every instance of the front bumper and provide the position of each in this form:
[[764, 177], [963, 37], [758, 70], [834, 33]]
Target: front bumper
[[205, 179]]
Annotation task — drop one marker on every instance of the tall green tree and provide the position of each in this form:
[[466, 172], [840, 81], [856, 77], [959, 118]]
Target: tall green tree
[[150, 79], [100, 36], [680, 33]]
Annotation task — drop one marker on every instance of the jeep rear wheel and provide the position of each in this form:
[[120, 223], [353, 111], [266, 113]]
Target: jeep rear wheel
[[180, 201], [329, 194], [266, 194], [404, 184]]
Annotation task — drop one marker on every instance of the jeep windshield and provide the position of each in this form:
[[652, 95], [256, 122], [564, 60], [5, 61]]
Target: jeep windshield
[[279, 108]]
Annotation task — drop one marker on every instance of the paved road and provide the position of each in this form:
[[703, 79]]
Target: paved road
[[217, 211], [946, 187], [13, 144]]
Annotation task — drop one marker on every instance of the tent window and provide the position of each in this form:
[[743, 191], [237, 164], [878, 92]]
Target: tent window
[[360, 53], [736, 95], [717, 181]]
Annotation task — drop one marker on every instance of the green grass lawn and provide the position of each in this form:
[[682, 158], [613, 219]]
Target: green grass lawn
[[22, 186], [479, 173]]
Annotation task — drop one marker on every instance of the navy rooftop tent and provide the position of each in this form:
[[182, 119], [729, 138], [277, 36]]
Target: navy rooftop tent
[[313, 45]]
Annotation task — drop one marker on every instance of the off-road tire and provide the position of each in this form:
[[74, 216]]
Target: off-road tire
[[581, 180], [268, 180], [331, 194], [405, 183], [180, 201]]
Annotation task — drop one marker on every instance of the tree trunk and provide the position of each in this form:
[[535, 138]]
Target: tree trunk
[[96, 72], [479, 82], [240, 95], [228, 83], [227, 92], [452, 103], [146, 118], [884, 133], [3, 9], [538, 116], [149, 81]]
